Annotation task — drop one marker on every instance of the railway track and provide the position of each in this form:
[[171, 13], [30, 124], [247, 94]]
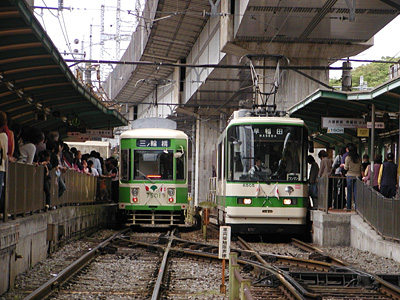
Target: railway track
[[132, 266], [340, 281]]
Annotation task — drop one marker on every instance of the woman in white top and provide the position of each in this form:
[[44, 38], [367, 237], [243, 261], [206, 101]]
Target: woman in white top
[[27, 149]]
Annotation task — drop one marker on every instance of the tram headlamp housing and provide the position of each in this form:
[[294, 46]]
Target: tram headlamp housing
[[245, 201], [287, 201], [170, 192], [135, 192]]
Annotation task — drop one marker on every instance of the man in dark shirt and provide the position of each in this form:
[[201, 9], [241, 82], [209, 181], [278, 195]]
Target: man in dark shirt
[[387, 178]]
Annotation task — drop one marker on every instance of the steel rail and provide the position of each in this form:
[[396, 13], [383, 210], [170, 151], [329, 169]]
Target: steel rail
[[46, 289], [290, 283], [162, 269], [311, 248]]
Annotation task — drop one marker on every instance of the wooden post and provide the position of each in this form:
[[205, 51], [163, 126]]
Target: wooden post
[[233, 283], [205, 223], [222, 288], [242, 287]]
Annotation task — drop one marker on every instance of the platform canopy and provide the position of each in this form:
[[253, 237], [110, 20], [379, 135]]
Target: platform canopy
[[324, 103], [36, 85]]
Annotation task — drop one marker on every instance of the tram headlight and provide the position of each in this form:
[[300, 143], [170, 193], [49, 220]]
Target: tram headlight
[[170, 192], [135, 192], [289, 201], [246, 201]]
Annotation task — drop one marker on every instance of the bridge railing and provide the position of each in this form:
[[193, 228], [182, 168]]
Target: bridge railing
[[24, 189], [380, 212]]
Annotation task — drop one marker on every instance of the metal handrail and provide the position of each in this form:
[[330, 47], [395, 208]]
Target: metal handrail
[[380, 212], [24, 189]]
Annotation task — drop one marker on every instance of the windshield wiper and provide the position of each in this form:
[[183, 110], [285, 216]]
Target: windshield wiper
[[141, 173]]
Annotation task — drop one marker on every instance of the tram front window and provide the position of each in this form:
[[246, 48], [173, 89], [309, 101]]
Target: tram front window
[[153, 164], [263, 152]]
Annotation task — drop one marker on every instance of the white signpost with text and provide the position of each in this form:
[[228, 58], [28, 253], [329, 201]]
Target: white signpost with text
[[223, 251]]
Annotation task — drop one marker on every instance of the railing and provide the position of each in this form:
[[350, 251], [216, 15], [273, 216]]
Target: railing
[[380, 212], [24, 189], [237, 285], [331, 193]]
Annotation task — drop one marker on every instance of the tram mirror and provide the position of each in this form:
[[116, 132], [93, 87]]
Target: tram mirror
[[235, 141], [178, 154], [311, 146]]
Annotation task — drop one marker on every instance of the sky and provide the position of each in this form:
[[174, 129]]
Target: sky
[[70, 28], [386, 43], [78, 16]]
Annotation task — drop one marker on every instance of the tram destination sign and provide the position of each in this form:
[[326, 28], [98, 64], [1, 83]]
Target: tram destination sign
[[153, 143], [337, 122]]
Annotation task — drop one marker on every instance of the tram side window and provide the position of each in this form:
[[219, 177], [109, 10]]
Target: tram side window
[[125, 163], [219, 161], [180, 168]]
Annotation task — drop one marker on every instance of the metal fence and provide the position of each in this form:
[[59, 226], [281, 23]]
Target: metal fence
[[331, 193], [383, 214], [24, 189]]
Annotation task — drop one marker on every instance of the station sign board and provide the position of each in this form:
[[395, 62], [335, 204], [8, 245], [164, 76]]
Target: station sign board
[[224, 242], [363, 132], [378, 125], [337, 122], [335, 130]]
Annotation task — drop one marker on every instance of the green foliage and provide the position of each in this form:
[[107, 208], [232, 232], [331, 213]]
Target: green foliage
[[374, 73], [207, 204], [335, 82]]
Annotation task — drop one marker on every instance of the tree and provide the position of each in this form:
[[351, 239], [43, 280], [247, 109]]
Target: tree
[[374, 73]]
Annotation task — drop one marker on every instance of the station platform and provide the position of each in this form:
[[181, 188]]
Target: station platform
[[342, 228]]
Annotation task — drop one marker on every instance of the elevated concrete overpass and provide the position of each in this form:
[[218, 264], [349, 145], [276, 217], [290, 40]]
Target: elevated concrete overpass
[[219, 35]]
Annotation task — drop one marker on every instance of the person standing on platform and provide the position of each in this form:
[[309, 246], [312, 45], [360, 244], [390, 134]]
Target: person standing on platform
[[354, 170], [365, 163], [387, 178], [367, 173], [3, 156], [325, 170], [338, 180], [313, 181], [325, 167]]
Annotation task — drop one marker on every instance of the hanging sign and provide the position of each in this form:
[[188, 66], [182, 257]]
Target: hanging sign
[[330, 122], [335, 130], [363, 132]]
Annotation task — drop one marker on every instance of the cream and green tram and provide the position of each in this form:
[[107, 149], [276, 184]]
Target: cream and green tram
[[261, 184], [153, 176]]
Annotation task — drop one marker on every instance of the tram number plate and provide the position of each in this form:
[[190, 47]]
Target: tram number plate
[[293, 177]]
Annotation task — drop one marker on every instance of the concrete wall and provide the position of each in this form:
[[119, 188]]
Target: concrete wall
[[363, 237], [207, 133], [25, 242], [331, 229], [343, 229]]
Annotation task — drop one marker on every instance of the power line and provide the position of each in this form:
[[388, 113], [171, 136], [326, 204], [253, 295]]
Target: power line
[[215, 66]]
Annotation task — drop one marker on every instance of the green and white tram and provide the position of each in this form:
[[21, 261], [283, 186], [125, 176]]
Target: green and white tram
[[268, 196], [153, 176]]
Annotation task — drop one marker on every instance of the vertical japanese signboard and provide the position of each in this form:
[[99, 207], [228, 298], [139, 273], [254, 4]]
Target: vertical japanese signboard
[[224, 242]]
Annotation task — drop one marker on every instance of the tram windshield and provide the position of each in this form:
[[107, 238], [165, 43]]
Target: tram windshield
[[265, 152], [153, 164]]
